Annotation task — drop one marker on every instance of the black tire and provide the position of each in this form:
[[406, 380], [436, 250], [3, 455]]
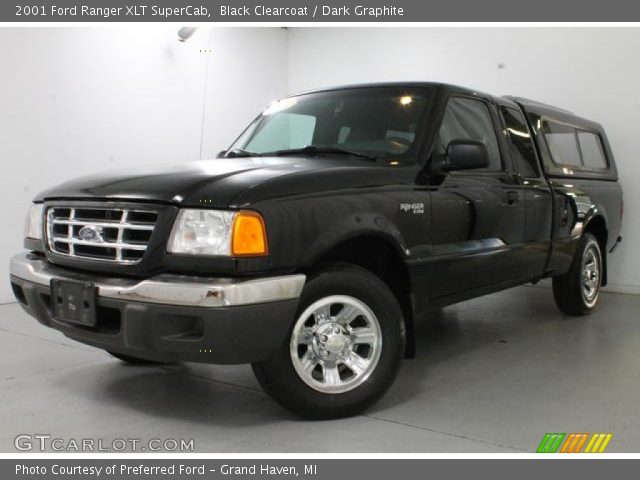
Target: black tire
[[134, 360], [278, 375], [569, 290]]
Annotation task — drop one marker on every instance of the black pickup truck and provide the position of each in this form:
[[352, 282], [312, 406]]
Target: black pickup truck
[[309, 247]]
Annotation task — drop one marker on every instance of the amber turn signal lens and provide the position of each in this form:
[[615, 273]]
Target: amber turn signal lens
[[249, 235]]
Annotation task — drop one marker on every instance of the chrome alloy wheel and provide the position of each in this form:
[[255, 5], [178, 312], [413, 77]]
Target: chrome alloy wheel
[[336, 344], [590, 276]]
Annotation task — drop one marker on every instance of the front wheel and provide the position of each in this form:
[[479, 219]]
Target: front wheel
[[344, 349], [577, 291]]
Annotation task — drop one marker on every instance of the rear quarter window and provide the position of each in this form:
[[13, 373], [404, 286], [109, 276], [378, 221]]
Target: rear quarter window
[[573, 147], [562, 142], [592, 151]]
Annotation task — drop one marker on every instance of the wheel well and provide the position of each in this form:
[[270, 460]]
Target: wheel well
[[598, 228], [381, 258]]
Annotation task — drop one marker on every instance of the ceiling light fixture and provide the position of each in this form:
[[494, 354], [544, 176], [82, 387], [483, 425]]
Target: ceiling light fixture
[[185, 33]]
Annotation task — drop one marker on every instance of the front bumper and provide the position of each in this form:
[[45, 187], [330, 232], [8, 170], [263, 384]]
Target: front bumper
[[169, 317]]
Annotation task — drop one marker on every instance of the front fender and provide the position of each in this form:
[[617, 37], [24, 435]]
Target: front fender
[[354, 226], [300, 230]]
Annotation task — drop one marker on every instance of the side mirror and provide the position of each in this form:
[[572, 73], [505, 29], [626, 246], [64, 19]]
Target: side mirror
[[221, 153], [465, 155]]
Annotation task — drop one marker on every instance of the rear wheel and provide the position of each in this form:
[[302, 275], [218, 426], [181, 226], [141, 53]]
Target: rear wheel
[[344, 349], [577, 291]]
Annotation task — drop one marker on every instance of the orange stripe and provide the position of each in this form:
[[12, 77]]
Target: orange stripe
[[576, 439], [568, 443], [583, 438]]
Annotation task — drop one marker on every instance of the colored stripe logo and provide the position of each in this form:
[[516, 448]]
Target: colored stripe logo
[[598, 443], [550, 442], [574, 443]]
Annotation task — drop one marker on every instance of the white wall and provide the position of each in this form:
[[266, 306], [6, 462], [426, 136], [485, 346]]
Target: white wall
[[593, 72], [81, 100], [247, 71]]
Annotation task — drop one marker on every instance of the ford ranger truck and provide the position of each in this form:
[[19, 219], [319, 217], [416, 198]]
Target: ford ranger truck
[[309, 247]]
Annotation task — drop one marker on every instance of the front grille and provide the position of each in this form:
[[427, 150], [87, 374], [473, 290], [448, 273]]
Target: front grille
[[117, 235]]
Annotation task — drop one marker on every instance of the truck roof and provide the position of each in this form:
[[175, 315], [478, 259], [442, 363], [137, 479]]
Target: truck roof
[[530, 106], [535, 104], [396, 84]]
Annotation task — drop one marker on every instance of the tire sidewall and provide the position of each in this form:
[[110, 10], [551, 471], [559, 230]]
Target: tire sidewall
[[589, 242], [284, 382]]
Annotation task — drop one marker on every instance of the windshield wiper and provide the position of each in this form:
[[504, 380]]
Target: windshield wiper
[[237, 152], [318, 149]]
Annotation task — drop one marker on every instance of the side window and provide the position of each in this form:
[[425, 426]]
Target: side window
[[343, 134], [469, 119], [522, 148], [562, 142], [592, 151]]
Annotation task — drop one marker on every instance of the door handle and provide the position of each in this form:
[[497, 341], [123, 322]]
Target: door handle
[[512, 197]]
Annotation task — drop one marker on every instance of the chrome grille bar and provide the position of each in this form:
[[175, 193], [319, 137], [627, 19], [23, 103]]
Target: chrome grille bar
[[117, 245], [72, 216], [130, 226], [119, 240], [116, 235]]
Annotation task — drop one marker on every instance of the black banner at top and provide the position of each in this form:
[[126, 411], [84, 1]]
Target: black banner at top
[[191, 11]]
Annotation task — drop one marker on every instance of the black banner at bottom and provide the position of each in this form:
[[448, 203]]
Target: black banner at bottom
[[317, 469]]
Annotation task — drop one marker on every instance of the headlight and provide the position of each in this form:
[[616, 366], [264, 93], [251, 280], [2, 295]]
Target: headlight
[[218, 232], [33, 224]]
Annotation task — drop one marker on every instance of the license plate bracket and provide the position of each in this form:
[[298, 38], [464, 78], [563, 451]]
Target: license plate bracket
[[74, 302]]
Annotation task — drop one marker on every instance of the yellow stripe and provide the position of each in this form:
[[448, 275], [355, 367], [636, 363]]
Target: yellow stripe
[[596, 445], [590, 444], [605, 443]]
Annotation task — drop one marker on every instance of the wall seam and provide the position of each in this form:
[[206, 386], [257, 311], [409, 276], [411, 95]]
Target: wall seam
[[204, 93]]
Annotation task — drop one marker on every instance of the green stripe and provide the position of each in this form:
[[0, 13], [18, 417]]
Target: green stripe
[[550, 442], [542, 448], [556, 445]]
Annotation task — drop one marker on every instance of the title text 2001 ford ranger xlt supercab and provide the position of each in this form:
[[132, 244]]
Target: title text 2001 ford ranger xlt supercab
[[312, 243]]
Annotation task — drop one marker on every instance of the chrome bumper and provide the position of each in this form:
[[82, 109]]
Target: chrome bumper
[[166, 289]]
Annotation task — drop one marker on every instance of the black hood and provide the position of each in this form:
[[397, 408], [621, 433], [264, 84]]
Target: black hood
[[229, 182]]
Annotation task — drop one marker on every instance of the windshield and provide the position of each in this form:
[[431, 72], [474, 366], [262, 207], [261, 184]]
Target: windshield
[[374, 122]]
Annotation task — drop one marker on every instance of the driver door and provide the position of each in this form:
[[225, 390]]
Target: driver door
[[477, 215]]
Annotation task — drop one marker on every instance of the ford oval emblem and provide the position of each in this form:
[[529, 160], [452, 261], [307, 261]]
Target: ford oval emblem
[[91, 233]]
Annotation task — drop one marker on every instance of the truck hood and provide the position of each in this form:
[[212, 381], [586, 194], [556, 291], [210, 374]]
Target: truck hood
[[229, 182]]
